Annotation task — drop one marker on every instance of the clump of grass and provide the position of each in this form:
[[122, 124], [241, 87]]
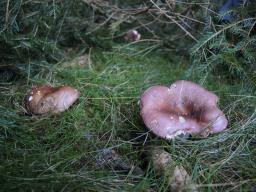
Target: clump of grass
[[58, 152], [34, 35], [52, 153]]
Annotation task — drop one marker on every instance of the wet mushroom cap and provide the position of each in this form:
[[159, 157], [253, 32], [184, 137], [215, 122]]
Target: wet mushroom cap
[[132, 35], [184, 107], [47, 99]]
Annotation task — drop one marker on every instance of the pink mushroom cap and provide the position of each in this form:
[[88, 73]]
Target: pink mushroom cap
[[132, 35], [184, 107], [46, 99]]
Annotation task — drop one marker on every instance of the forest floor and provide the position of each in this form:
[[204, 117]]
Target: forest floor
[[64, 152]]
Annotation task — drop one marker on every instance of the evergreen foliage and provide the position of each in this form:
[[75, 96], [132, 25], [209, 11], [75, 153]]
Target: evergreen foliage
[[42, 41], [228, 49], [36, 34]]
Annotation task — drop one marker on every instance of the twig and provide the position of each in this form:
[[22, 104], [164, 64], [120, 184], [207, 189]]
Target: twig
[[173, 20], [7, 13], [89, 59]]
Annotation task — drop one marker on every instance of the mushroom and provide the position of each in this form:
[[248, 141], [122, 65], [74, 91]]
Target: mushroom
[[132, 35], [182, 108], [46, 99], [177, 177]]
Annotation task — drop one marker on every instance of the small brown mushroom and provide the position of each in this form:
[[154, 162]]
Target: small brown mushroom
[[178, 179], [47, 99], [184, 107], [132, 35]]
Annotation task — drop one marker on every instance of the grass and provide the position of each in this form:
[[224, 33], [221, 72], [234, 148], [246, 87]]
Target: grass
[[58, 153]]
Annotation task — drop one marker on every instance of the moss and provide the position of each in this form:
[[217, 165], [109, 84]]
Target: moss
[[57, 152]]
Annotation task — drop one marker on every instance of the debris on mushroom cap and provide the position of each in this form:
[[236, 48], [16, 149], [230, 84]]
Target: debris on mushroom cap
[[184, 107], [47, 99], [132, 35]]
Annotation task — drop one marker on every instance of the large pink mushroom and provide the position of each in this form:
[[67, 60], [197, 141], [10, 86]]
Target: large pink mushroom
[[46, 99], [183, 108]]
